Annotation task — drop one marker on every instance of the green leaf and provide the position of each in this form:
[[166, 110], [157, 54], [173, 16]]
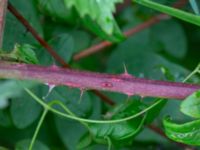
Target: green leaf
[[78, 36], [3, 103], [172, 38], [25, 53], [94, 27], [187, 133], [24, 144], [99, 11], [188, 17], [29, 11], [64, 45], [3, 148], [141, 60], [119, 131], [11, 88], [15, 32], [137, 54], [21, 53], [5, 119], [153, 113], [191, 105], [85, 141], [57, 10], [24, 111], [70, 131], [71, 98]]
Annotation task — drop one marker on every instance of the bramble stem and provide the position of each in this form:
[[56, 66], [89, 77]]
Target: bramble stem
[[52, 52], [121, 83], [131, 32]]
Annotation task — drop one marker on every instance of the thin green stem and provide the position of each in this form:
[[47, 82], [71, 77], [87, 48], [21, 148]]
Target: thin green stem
[[194, 19], [196, 70], [37, 129], [109, 142], [67, 110], [89, 120]]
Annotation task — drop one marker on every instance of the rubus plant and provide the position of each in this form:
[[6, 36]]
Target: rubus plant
[[147, 83]]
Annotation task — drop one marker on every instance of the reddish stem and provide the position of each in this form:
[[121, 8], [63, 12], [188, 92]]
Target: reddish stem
[[51, 51], [105, 44], [48, 47], [152, 21], [101, 46], [122, 83], [104, 98], [3, 5]]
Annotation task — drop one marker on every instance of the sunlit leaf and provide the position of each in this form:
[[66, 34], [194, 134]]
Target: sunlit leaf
[[21, 53], [99, 11], [188, 133], [191, 105]]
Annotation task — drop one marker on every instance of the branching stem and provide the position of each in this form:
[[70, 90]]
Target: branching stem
[[37, 129], [49, 49], [131, 32]]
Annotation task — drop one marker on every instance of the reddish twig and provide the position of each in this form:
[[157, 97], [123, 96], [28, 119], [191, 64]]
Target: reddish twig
[[3, 5], [104, 44], [122, 83], [48, 47], [101, 46], [51, 51], [152, 21], [7, 70], [104, 98], [157, 130], [42, 42]]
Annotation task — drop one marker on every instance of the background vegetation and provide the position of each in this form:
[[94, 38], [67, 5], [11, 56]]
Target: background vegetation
[[148, 44]]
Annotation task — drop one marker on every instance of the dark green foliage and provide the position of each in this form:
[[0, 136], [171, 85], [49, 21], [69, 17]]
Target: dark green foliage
[[188, 132], [167, 51]]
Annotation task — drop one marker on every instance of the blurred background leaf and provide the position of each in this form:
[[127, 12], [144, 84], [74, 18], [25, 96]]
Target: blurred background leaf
[[168, 50], [195, 6]]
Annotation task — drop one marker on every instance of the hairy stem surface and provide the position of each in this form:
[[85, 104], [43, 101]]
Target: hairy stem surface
[[122, 83]]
